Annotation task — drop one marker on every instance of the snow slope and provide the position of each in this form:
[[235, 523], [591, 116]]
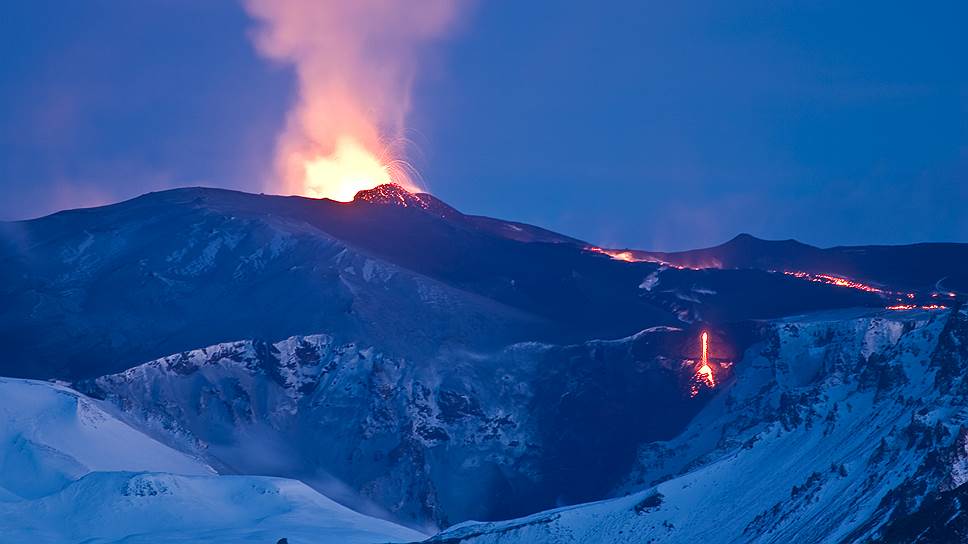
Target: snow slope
[[157, 508], [832, 427], [51, 435], [71, 472]]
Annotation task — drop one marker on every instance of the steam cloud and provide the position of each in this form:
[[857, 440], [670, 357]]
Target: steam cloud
[[355, 61]]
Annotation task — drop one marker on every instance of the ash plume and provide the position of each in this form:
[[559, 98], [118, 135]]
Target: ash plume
[[355, 61]]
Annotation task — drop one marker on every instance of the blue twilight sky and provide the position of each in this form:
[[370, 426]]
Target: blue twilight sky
[[661, 125]]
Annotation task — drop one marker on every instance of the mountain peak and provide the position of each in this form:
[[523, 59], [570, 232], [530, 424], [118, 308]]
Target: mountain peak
[[748, 240], [389, 193]]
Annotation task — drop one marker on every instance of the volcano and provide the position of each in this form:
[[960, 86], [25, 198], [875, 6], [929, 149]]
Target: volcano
[[91, 291], [432, 367]]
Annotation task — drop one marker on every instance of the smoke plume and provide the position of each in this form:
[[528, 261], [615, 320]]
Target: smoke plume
[[355, 61]]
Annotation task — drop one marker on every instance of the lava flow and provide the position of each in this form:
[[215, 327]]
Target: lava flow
[[851, 284], [704, 374], [626, 256], [835, 280], [916, 307], [630, 257]]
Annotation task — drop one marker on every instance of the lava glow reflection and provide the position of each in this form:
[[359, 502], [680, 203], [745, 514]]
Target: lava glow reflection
[[350, 168]]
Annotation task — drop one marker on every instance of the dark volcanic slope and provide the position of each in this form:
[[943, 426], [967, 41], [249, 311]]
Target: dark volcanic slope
[[86, 292], [942, 519], [916, 266]]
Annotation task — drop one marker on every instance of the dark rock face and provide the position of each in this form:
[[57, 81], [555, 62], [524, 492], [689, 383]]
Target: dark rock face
[[916, 266], [941, 519], [441, 439], [817, 433]]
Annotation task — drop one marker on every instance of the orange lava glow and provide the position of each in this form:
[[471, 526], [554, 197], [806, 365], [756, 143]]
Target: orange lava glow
[[626, 256], [623, 256], [704, 375], [916, 307], [630, 257], [350, 168], [354, 64], [838, 281]]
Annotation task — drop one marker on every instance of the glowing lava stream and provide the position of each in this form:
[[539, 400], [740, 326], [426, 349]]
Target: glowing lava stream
[[629, 257], [351, 168], [916, 307], [704, 373]]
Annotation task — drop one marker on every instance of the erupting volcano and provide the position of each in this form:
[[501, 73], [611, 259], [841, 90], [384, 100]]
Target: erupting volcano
[[349, 169], [355, 63]]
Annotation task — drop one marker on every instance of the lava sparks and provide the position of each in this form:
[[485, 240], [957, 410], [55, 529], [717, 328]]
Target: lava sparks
[[349, 169]]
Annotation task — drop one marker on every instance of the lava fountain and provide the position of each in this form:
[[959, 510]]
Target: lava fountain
[[355, 63], [703, 373], [350, 168]]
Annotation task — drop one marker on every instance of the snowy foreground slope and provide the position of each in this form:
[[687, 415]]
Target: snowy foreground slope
[[70, 472], [831, 429]]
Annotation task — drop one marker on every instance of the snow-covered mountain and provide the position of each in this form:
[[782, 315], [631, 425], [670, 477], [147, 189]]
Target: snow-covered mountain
[[71, 472], [52, 435], [428, 367], [836, 427]]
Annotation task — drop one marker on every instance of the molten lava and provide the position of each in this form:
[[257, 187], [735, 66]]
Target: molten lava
[[704, 375], [916, 307], [630, 257], [835, 280], [850, 284], [350, 168]]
